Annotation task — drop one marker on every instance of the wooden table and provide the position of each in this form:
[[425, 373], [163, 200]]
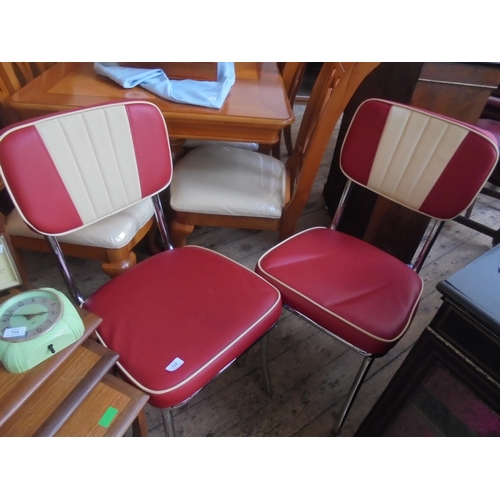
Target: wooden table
[[255, 110]]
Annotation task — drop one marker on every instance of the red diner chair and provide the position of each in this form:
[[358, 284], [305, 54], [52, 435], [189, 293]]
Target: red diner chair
[[176, 319], [349, 289]]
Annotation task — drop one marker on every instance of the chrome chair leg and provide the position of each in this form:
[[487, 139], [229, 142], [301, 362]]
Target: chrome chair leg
[[468, 212], [363, 369], [264, 342], [168, 422]]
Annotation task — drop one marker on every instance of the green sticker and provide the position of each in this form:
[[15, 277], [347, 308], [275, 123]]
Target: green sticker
[[108, 417]]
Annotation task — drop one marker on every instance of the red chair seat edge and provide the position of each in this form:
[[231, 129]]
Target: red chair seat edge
[[317, 287], [216, 287]]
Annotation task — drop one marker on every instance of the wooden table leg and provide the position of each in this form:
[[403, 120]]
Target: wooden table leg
[[139, 426]]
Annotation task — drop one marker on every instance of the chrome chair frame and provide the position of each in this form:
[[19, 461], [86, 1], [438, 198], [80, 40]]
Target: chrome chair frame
[[368, 358]]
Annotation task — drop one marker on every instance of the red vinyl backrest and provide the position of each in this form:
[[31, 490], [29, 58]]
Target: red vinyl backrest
[[429, 163], [71, 169]]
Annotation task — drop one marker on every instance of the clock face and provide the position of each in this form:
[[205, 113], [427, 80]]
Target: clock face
[[29, 314]]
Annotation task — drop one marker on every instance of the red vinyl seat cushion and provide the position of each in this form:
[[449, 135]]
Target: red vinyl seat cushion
[[189, 304], [352, 289]]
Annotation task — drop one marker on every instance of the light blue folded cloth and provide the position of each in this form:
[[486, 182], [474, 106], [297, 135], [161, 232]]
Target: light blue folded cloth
[[207, 94]]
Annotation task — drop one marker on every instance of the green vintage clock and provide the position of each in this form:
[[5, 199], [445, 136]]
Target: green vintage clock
[[35, 325]]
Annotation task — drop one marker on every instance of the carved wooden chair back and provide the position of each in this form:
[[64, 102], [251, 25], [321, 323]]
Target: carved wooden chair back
[[13, 77], [292, 74], [334, 87]]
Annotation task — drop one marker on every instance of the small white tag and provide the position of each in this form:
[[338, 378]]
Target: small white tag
[[1, 248], [14, 333], [176, 363]]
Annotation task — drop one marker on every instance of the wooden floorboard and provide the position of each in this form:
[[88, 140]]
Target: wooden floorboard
[[310, 372]]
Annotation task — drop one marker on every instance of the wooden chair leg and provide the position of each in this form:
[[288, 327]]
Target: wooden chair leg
[[287, 226], [179, 233], [139, 426], [276, 149], [287, 135], [265, 149], [153, 234], [118, 261], [289, 219]]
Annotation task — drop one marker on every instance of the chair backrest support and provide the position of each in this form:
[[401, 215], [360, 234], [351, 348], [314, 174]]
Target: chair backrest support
[[292, 74]]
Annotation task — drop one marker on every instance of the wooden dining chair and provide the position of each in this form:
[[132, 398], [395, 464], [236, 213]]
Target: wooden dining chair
[[110, 241], [225, 186], [292, 74], [4, 110], [13, 77], [349, 289], [176, 319]]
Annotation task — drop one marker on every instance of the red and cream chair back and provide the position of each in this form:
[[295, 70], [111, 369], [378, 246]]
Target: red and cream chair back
[[351, 290], [176, 319], [112, 239], [417, 159], [78, 168]]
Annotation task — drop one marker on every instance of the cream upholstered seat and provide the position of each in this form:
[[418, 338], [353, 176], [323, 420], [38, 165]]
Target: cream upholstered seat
[[193, 143], [113, 232], [250, 184]]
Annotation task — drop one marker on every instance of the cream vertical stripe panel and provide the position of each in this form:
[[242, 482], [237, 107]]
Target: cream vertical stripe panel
[[94, 155], [413, 152]]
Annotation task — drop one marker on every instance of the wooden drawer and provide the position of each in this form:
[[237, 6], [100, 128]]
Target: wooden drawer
[[109, 410], [47, 409]]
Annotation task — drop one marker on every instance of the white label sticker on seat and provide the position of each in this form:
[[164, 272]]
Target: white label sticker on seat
[[176, 363]]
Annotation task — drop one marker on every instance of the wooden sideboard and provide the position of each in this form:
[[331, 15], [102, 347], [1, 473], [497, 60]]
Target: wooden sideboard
[[457, 90]]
